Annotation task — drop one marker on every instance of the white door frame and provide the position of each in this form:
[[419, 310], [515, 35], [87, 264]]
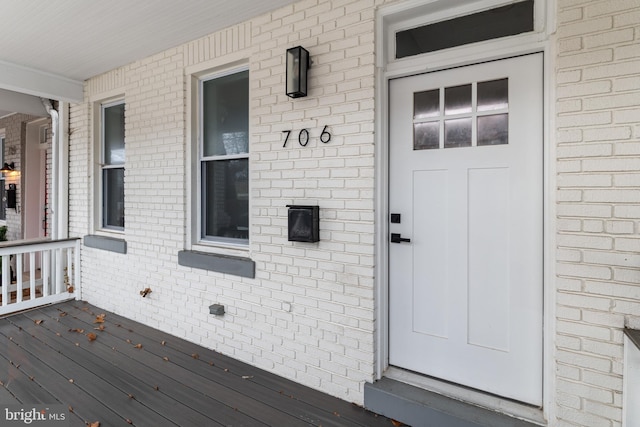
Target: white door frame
[[402, 15]]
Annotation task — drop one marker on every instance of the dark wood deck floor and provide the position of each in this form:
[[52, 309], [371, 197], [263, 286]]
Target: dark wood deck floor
[[135, 375]]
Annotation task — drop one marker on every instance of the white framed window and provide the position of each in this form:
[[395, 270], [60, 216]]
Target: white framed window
[[112, 161], [222, 188]]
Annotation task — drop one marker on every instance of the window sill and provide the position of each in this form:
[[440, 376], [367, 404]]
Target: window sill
[[110, 244], [228, 264]]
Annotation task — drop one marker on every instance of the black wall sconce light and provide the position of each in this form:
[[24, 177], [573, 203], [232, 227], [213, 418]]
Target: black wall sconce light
[[8, 167], [297, 67]]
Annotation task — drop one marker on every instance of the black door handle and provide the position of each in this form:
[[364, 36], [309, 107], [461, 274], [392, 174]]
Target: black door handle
[[397, 238]]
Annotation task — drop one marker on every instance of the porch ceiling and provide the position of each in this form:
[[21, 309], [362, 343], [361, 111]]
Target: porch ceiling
[[49, 48]]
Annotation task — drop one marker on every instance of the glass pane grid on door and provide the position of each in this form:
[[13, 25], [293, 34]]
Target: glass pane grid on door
[[469, 115]]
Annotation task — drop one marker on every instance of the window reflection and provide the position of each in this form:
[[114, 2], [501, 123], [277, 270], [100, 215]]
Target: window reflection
[[426, 136], [493, 95], [493, 130], [457, 133], [457, 100], [426, 104]]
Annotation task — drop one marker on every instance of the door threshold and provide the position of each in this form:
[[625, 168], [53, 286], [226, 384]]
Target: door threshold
[[469, 396]]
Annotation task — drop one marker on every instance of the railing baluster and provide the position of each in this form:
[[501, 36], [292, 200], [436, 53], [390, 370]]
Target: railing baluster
[[46, 262], [32, 274], [59, 272], [19, 269], [6, 279], [68, 269]]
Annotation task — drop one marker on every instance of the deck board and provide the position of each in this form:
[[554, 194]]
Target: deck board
[[349, 414], [104, 363], [163, 381]]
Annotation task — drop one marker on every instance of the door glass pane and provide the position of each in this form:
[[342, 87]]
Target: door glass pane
[[225, 194], [113, 189], [426, 135], [457, 99], [426, 104], [457, 133], [493, 95], [493, 130], [114, 135], [225, 120]]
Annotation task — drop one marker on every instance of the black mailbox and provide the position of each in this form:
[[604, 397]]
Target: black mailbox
[[304, 223], [11, 196]]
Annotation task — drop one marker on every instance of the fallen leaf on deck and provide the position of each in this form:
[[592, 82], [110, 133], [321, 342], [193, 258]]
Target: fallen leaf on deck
[[70, 289], [138, 346], [156, 388], [166, 359], [37, 322], [129, 421], [226, 370], [129, 341], [336, 414], [78, 330], [70, 409], [71, 380], [163, 342], [397, 423], [91, 336], [94, 424], [247, 377], [63, 313], [131, 396], [195, 356], [99, 328], [58, 334], [99, 318]]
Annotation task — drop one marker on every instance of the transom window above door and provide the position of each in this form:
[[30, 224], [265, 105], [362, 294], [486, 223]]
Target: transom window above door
[[468, 115]]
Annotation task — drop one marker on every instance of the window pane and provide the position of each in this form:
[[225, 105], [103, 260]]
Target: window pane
[[426, 104], [503, 21], [113, 197], [457, 100], [457, 133], [226, 115], [225, 195], [426, 135], [114, 135], [493, 95], [493, 130]]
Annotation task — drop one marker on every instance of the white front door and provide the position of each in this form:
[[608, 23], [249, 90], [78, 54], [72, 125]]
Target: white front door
[[466, 229]]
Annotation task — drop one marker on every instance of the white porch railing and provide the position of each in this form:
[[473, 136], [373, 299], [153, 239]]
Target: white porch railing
[[44, 272]]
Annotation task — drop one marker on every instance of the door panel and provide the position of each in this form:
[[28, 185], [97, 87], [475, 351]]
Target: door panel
[[466, 176]]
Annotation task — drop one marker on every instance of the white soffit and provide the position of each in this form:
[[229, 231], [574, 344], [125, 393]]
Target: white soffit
[[73, 40], [20, 103]]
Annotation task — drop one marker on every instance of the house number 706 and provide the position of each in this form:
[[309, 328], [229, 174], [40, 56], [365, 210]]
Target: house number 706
[[303, 136]]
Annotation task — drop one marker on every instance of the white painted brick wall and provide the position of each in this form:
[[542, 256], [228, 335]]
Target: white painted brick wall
[[597, 106], [309, 314]]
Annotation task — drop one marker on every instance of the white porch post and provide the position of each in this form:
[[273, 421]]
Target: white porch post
[[62, 190]]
